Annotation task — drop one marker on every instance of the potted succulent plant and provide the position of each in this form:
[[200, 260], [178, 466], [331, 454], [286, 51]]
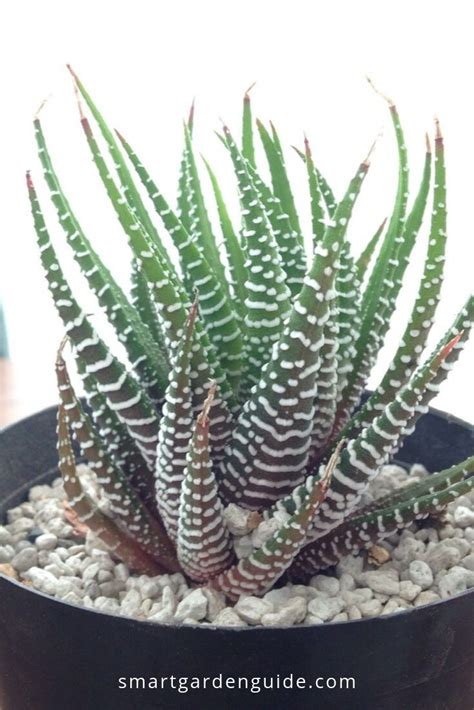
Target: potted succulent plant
[[239, 406]]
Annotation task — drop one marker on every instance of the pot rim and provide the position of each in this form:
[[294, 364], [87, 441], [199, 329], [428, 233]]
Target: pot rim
[[450, 418]]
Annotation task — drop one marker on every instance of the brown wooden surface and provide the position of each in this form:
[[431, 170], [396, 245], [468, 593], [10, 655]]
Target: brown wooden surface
[[24, 390]]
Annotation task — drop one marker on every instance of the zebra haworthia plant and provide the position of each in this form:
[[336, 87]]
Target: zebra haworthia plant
[[243, 367]]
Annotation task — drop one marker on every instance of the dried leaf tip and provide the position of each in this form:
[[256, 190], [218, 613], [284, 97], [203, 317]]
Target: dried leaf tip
[[29, 181], [79, 104], [203, 417], [193, 311], [380, 93], [72, 72], [247, 93], [438, 134], [331, 465], [366, 162], [427, 143], [59, 354], [40, 107]]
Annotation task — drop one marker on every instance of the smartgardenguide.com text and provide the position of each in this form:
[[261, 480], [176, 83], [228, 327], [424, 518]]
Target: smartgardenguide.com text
[[255, 684]]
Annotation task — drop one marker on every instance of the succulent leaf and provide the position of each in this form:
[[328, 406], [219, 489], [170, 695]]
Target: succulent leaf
[[248, 148], [234, 252], [268, 452], [121, 544], [256, 573], [363, 530], [267, 299], [141, 349], [280, 182], [383, 286], [124, 394], [203, 543], [255, 402], [216, 311], [126, 507], [176, 428]]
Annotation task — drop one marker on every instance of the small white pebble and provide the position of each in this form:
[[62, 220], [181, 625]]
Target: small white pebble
[[251, 609], [463, 516], [421, 574], [193, 606]]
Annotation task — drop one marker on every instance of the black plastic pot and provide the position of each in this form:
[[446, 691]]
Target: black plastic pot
[[55, 656]]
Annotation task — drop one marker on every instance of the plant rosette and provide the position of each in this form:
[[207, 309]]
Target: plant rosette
[[227, 441]]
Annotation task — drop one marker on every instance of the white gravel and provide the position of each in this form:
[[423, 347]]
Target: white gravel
[[39, 547]]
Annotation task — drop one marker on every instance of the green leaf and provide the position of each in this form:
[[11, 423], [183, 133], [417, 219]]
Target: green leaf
[[383, 287], [204, 544], [248, 149], [269, 448], [176, 430], [267, 299], [258, 572], [126, 507], [124, 394], [234, 252], [280, 182], [129, 188], [118, 542], [364, 530], [363, 262], [144, 356], [218, 316]]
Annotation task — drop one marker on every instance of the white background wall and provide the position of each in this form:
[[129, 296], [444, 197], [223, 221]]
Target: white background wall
[[144, 61]]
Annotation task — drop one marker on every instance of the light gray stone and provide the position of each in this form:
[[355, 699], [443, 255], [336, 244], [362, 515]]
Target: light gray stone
[[443, 557], [326, 608], [46, 541], [215, 603], [455, 581], [421, 574], [353, 612], [237, 519], [426, 597], [42, 580], [382, 581], [193, 606], [464, 516], [228, 617], [5, 536], [264, 531], [462, 545], [350, 564], [468, 562], [26, 558], [371, 607], [325, 584], [278, 597], [251, 609], [292, 612], [409, 591], [6, 553]]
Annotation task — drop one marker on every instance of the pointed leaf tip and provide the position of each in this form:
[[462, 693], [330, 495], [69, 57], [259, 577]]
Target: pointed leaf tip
[[203, 417], [190, 121], [380, 93], [450, 346], [367, 160], [246, 95]]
